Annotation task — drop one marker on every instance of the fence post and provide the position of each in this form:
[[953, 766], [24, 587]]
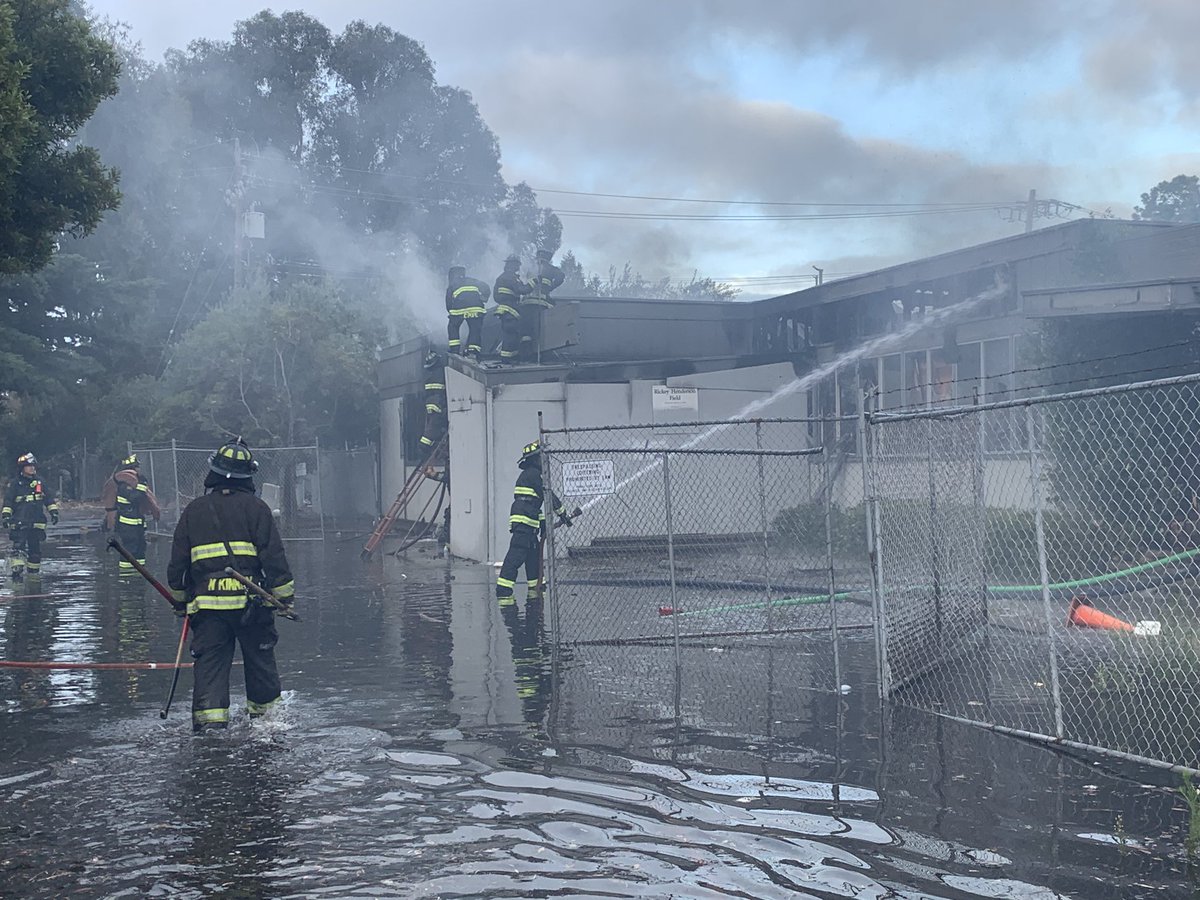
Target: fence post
[[548, 579], [762, 515], [175, 469], [666, 458], [833, 616], [1035, 469], [317, 481], [934, 557], [867, 453]]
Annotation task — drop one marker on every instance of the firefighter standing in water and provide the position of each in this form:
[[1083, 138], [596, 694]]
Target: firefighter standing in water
[[26, 503], [127, 500], [527, 523], [509, 292], [229, 526], [466, 300], [536, 302]]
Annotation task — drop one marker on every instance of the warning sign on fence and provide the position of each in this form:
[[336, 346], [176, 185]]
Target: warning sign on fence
[[675, 397], [589, 477]]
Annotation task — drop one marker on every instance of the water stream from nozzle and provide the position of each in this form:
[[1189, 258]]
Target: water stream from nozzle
[[867, 348]]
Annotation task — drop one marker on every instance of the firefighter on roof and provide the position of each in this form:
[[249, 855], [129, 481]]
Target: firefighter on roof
[[536, 302], [509, 292], [466, 300]]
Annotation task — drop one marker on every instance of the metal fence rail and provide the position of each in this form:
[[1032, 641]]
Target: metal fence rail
[[1048, 592], [697, 531]]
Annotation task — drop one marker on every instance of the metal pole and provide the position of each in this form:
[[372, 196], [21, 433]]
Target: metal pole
[[762, 515], [549, 564], [833, 616], [934, 556], [867, 453], [1035, 467], [317, 482], [671, 551], [175, 467]]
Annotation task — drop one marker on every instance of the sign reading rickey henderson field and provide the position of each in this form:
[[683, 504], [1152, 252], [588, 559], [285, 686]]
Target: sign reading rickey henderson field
[[665, 397], [588, 478]]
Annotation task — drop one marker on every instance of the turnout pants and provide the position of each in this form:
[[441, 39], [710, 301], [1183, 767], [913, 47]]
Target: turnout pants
[[133, 539], [214, 633], [524, 549], [474, 333], [510, 330], [26, 550]]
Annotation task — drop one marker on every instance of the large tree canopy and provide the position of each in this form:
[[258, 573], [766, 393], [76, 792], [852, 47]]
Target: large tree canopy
[[54, 71]]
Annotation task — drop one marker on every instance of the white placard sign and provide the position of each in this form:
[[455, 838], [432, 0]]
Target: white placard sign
[[676, 397], [589, 478]]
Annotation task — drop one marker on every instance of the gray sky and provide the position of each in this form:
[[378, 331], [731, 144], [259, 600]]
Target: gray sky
[[799, 102]]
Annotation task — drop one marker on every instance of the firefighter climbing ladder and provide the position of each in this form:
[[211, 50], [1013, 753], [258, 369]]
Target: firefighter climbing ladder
[[407, 493]]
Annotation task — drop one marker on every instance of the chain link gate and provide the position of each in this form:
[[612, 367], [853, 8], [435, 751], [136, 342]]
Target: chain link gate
[[711, 529], [1035, 566], [287, 479]]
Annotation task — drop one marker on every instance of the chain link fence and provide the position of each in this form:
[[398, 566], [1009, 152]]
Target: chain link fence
[[292, 480], [685, 532], [1047, 591]]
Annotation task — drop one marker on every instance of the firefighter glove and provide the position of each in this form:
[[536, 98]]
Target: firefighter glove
[[54, 517], [566, 520], [6, 522], [180, 609]]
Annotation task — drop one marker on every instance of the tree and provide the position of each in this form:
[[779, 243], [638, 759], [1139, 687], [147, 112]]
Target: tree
[[54, 71], [1177, 200], [279, 363], [631, 283]]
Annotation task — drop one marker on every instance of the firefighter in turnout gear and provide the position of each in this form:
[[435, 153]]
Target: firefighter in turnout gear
[[127, 501], [436, 420], [229, 526], [466, 300], [509, 292], [527, 523], [26, 503], [536, 302]]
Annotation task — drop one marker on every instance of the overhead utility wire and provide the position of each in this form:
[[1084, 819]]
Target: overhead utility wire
[[424, 179]]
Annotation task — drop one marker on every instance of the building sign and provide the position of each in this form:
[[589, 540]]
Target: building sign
[[589, 477], [676, 397]]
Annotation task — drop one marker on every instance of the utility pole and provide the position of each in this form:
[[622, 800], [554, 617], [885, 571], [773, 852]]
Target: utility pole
[[820, 275], [237, 213], [1030, 211]]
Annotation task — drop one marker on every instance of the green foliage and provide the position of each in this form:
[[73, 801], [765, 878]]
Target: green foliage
[[1191, 796], [54, 71], [628, 283], [281, 364], [805, 525], [1177, 201]]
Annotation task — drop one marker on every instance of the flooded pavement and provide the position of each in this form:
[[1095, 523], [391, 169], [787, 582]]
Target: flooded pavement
[[432, 745]]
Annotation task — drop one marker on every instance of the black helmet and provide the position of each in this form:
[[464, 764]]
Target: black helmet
[[529, 453], [130, 461], [547, 255], [233, 460], [512, 263], [26, 459], [458, 271], [433, 359]]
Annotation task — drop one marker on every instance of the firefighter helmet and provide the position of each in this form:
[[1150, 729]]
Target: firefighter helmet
[[547, 255], [130, 461], [233, 459], [458, 271], [512, 263], [26, 459], [530, 452], [433, 359]]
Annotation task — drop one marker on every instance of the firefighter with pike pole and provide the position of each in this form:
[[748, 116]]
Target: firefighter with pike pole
[[127, 500], [227, 548]]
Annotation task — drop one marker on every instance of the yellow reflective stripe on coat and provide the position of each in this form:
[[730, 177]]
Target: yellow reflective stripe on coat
[[465, 289], [212, 551], [521, 491], [522, 520], [130, 520], [468, 312], [285, 591], [217, 601], [435, 386], [432, 408], [503, 309]]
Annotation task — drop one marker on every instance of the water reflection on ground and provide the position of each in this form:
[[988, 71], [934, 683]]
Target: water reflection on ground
[[433, 744]]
